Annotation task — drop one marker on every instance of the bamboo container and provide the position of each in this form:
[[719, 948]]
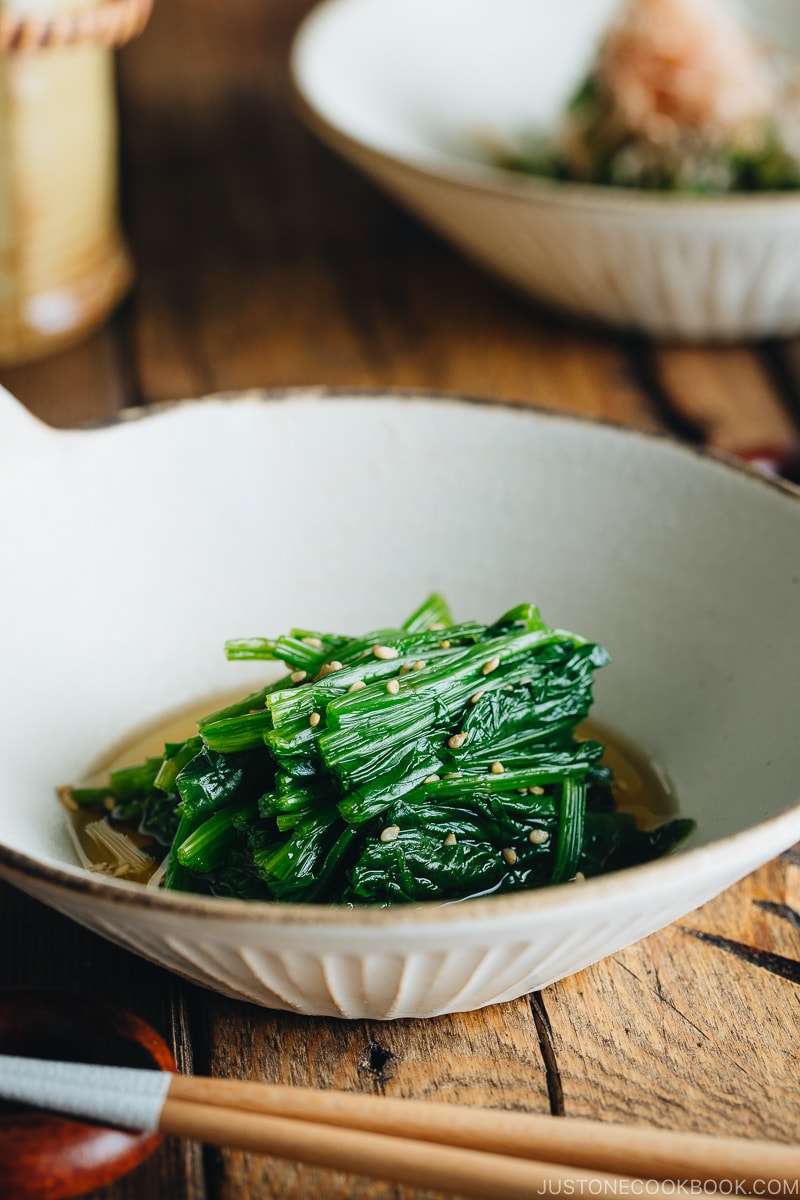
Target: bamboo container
[[63, 261]]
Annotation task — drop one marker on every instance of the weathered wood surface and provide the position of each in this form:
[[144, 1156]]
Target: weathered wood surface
[[264, 261]]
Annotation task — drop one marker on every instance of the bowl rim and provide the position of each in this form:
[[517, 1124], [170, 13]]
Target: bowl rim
[[490, 179], [660, 873]]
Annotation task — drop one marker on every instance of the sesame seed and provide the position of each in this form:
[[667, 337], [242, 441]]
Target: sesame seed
[[521, 791], [385, 652], [390, 833], [536, 791], [393, 687], [298, 676], [451, 839], [419, 665], [510, 856], [325, 669], [109, 804], [580, 877], [490, 666], [436, 626], [314, 719], [335, 665], [538, 837], [497, 768], [314, 642], [405, 669], [452, 775], [456, 741], [357, 686], [477, 696], [445, 645], [432, 779], [122, 869]]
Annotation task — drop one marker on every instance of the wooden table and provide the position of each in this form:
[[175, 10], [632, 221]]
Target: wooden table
[[263, 260]]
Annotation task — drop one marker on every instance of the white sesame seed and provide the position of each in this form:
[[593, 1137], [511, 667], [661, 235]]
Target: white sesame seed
[[109, 804], [521, 791], [122, 869], [456, 741], [314, 719], [419, 665], [404, 670], [536, 791], [497, 768], [538, 837], [436, 626], [298, 676], [477, 696], [385, 652], [335, 665], [432, 779], [314, 642], [357, 686], [580, 877], [510, 856], [390, 833], [393, 687], [325, 669], [451, 839], [452, 775], [445, 645], [490, 666]]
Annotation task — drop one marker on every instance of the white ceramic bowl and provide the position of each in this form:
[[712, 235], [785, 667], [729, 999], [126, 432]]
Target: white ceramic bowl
[[132, 551], [406, 89]]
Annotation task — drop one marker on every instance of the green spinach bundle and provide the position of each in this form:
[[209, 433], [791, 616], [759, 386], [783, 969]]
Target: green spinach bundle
[[435, 761]]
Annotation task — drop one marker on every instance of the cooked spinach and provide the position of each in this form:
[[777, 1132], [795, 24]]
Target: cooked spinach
[[434, 761]]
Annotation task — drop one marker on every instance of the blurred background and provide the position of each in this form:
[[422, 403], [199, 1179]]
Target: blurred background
[[261, 259]]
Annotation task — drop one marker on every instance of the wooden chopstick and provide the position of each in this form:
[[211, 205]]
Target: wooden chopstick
[[461, 1134], [481, 1153], [450, 1169]]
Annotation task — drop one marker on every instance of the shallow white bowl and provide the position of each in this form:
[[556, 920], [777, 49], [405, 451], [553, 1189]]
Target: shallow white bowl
[[132, 551], [406, 89]]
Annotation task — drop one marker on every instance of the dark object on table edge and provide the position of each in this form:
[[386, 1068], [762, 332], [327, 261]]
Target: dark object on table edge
[[49, 1157]]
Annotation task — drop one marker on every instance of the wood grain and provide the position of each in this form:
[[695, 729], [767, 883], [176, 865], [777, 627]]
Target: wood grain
[[727, 396], [84, 384], [486, 1058], [699, 1037], [276, 264]]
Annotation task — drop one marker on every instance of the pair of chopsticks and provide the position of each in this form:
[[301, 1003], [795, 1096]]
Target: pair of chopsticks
[[483, 1153]]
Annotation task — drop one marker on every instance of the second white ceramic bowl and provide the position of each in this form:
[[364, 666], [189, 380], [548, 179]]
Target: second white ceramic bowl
[[131, 552], [408, 90]]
